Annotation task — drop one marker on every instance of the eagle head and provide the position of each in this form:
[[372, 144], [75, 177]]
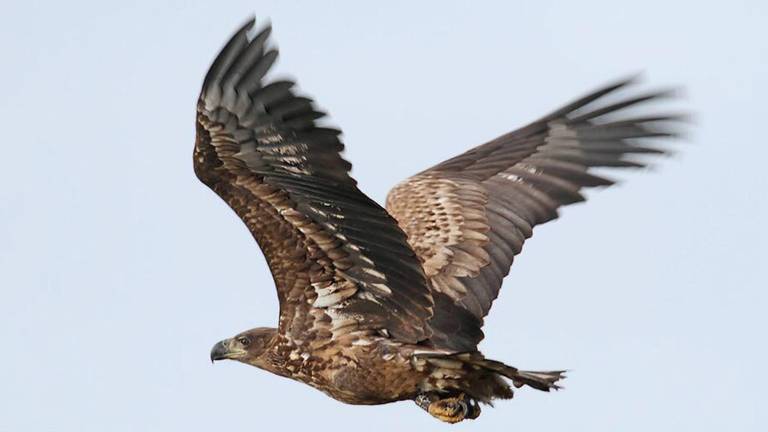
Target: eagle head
[[247, 347]]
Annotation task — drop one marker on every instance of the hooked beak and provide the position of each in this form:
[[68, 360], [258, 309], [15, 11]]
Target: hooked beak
[[220, 351]]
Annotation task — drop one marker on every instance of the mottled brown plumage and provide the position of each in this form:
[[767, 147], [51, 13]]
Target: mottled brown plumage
[[383, 305]]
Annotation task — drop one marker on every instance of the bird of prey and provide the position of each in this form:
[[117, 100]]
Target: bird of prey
[[382, 305]]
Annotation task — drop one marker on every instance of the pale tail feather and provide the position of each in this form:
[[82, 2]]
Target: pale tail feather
[[544, 381]]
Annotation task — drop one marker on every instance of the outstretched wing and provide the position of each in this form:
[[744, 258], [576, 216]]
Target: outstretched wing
[[339, 261], [468, 216]]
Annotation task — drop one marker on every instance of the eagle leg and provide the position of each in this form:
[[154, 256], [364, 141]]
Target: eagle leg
[[450, 410]]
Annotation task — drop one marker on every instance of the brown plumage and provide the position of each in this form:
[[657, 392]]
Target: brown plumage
[[383, 305]]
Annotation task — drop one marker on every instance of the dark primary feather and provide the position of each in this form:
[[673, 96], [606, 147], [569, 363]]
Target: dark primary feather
[[468, 216], [340, 262]]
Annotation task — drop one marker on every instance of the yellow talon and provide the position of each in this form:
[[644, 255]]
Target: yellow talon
[[449, 410]]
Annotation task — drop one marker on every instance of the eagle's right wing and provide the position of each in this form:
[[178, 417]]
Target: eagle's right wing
[[468, 217], [339, 260]]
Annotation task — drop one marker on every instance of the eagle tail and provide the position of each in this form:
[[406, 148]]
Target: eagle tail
[[488, 384], [540, 380], [544, 381]]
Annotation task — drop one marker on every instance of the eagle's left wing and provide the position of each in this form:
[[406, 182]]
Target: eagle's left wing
[[469, 216], [339, 260]]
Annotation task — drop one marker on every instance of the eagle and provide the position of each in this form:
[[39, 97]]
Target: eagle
[[379, 304]]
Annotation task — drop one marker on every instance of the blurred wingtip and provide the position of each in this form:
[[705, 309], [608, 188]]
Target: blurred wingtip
[[248, 24]]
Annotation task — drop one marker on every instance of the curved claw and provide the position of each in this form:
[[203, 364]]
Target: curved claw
[[474, 409]]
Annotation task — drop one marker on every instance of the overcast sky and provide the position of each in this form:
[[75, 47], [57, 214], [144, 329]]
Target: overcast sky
[[119, 270]]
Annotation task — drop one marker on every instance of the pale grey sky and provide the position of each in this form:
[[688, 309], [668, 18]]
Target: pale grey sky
[[119, 270]]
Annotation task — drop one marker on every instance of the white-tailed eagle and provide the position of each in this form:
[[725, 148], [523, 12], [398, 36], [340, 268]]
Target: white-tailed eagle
[[381, 305]]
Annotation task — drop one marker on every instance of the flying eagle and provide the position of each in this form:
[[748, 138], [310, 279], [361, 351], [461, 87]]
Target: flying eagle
[[381, 305]]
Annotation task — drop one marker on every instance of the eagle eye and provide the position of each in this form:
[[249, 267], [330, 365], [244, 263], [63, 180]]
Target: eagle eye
[[244, 341]]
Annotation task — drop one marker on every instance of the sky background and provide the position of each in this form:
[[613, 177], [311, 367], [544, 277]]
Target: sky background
[[119, 270]]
